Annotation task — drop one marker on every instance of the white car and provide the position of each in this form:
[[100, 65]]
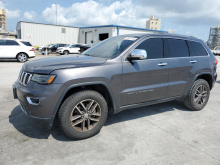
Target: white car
[[15, 48], [69, 49]]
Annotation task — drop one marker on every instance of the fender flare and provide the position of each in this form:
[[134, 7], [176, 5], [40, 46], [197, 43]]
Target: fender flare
[[74, 86], [199, 74]]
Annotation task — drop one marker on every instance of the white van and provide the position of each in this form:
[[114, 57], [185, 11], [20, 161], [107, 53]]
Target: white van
[[15, 48]]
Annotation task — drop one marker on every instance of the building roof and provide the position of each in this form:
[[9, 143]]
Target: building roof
[[101, 26], [47, 24], [129, 27]]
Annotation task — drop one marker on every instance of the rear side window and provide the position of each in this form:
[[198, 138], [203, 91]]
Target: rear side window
[[11, 42], [153, 47], [26, 43], [196, 49], [178, 48], [2, 42]]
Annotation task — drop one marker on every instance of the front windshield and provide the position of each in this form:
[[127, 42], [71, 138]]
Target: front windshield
[[111, 47]]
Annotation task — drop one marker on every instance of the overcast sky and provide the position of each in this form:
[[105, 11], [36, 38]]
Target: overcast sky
[[189, 17]]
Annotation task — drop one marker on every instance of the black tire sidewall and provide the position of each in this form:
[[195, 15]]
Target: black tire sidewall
[[70, 103]]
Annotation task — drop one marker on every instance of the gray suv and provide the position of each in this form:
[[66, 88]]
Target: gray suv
[[119, 73]]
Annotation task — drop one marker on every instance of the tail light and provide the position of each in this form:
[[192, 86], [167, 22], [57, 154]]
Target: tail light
[[216, 61], [32, 49]]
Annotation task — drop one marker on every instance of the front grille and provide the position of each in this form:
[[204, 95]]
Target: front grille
[[24, 78]]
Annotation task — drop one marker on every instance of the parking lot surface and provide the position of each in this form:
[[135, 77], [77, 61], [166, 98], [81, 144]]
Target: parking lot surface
[[166, 133]]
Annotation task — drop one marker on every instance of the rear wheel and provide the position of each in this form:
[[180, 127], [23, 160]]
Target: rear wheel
[[22, 57], [83, 114], [198, 95], [66, 52]]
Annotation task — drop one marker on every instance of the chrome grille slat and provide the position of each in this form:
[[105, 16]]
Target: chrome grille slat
[[24, 78], [23, 81]]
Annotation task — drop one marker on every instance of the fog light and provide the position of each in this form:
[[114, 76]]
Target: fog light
[[33, 101]]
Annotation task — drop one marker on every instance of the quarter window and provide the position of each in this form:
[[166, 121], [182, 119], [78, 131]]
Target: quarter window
[[2, 42], [11, 42], [26, 43], [178, 48], [153, 47], [196, 49]]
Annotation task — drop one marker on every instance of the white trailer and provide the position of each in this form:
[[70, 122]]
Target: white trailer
[[42, 34], [93, 34]]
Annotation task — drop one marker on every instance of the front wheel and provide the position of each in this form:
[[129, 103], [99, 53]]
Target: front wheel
[[66, 52], [22, 57], [198, 95], [83, 114]]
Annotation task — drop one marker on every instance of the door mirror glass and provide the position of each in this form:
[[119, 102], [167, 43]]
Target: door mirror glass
[[137, 54]]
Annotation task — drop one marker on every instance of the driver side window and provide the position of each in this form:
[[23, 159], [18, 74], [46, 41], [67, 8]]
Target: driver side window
[[153, 47]]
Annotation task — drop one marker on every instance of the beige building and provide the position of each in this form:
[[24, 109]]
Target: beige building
[[3, 25], [153, 23]]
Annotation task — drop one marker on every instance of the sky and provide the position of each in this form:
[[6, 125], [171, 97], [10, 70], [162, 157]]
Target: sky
[[187, 17]]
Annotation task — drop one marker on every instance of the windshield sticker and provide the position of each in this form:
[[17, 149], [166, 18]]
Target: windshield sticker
[[130, 38]]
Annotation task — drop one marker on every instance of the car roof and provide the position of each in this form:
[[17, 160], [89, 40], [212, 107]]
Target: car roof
[[14, 39], [142, 35]]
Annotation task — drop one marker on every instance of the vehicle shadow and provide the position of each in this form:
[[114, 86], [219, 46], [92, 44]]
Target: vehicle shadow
[[9, 60], [35, 128], [218, 82]]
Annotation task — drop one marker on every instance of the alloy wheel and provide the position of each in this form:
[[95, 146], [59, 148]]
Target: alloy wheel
[[85, 115], [22, 57], [200, 95]]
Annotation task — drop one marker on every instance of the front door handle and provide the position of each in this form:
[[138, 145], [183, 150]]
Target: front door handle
[[162, 64], [193, 61]]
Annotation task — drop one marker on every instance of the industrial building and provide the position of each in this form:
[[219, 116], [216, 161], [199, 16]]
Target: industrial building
[[3, 25], [42, 34], [153, 23], [214, 38], [94, 34]]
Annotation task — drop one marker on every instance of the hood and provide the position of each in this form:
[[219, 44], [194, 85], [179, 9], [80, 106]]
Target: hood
[[47, 65]]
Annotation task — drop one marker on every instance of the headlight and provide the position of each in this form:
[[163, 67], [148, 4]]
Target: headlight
[[43, 79]]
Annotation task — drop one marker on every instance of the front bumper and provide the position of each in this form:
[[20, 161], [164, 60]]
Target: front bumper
[[60, 51], [47, 95]]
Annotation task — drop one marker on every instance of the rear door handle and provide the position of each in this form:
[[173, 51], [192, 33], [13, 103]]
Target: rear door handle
[[193, 61], [162, 64]]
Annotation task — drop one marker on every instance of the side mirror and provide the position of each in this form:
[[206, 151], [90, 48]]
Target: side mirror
[[137, 54]]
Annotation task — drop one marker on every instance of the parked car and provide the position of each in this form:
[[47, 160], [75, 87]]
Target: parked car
[[40, 47], [53, 48], [120, 73], [69, 49], [216, 52], [84, 47], [17, 49]]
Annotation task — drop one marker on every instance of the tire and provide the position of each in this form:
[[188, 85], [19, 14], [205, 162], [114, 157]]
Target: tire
[[66, 52], [198, 96], [22, 57], [81, 123]]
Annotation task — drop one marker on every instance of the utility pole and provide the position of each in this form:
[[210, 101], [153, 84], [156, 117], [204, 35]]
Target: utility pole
[[164, 21]]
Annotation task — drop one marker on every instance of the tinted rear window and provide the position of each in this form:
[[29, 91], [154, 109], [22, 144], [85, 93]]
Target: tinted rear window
[[196, 49], [153, 47], [26, 43], [2, 42], [178, 48], [11, 42]]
